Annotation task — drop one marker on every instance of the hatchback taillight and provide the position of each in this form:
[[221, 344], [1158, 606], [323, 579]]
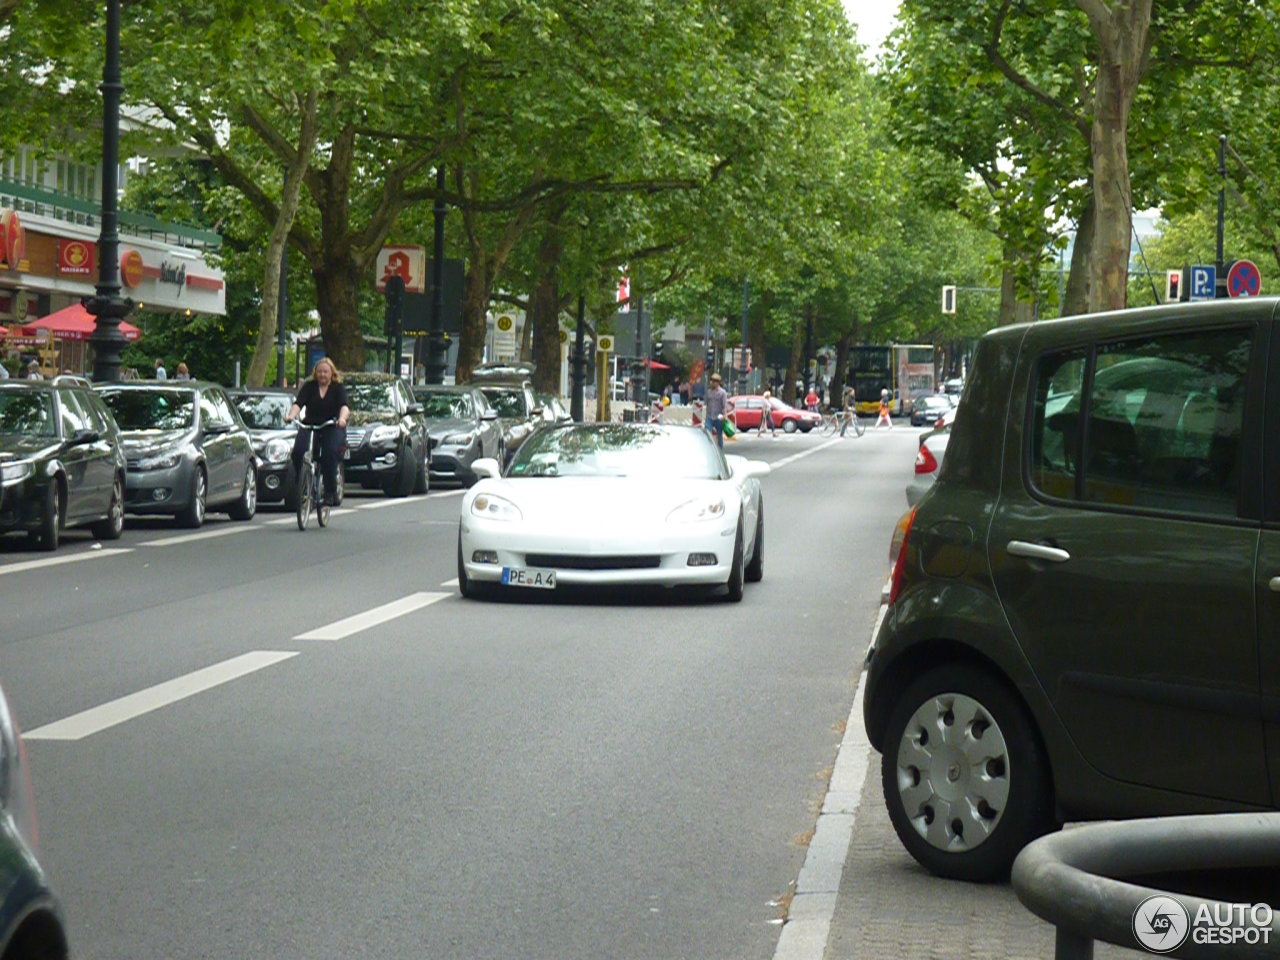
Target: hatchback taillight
[[925, 461], [899, 566]]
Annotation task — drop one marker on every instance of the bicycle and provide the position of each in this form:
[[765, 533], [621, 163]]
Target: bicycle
[[311, 481], [834, 421]]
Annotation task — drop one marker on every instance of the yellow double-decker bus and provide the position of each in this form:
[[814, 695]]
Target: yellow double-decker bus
[[906, 370]]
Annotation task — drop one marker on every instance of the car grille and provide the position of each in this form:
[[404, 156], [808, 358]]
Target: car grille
[[355, 435], [132, 463], [573, 561]]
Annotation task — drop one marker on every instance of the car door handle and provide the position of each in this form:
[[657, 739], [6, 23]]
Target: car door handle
[[1275, 584], [1037, 551]]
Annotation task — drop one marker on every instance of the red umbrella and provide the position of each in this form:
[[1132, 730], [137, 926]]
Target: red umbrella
[[4, 332], [74, 323]]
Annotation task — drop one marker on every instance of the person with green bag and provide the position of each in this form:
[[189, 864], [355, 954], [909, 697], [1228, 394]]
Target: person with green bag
[[718, 408]]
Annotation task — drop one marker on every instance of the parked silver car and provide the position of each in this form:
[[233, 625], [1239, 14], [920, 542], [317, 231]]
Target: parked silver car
[[463, 428], [187, 450], [933, 447]]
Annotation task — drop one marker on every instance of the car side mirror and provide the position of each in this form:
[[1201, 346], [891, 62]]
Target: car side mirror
[[414, 408], [81, 437], [489, 415], [486, 467], [537, 411], [216, 428]]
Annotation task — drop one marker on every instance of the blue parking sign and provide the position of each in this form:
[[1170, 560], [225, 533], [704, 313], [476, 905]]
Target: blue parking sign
[[1204, 283]]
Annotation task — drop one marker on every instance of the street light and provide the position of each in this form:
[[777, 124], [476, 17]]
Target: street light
[[107, 305]]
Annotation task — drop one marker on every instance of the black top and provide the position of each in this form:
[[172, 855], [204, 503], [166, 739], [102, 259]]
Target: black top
[[318, 408]]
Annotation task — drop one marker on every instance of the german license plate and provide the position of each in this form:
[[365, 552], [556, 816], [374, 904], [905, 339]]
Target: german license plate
[[538, 577]]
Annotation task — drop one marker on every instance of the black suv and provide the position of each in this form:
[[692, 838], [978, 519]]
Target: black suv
[[387, 443], [61, 462], [1083, 616]]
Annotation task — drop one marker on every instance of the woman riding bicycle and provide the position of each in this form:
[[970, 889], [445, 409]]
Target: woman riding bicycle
[[324, 398]]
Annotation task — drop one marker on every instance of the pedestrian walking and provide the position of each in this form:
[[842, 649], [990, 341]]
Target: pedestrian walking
[[811, 400], [718, 407], [33, 371], [684, 393], [884, 419], [767, 414], [850, 408], [183, 373], [161, 374]]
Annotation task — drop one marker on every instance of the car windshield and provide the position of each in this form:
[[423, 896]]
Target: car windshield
[[28, 413], [508, 403], [619, 450], [370, 397], [152, 409], [263, 411], [445, 406], [937, 403]]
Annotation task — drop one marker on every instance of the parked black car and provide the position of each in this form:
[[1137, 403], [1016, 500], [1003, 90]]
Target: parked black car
[[187, 449], [31, 922], [263, 411], [463, 429], [927, 409], [387, 443], [1083, 616], [62, 463]]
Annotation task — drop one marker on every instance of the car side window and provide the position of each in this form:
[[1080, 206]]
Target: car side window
[[1160, 428], [74, 416], [97, 413], [208, 409], [1055, 432]]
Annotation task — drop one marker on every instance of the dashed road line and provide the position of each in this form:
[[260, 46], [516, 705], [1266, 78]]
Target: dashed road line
[[341, 629], [90, 554], [95, 720]]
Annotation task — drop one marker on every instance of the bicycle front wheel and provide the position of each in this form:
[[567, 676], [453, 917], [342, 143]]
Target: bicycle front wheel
[[859, 428], [304, 496], [828, 425], [322, 503]]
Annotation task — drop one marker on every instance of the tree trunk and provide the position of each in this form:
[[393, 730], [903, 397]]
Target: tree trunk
[[840, 373], [1076, 299], [475, 309], [338, 303], [546, 325], [788, 392], [756, 336], [1121, 29], [277, 249]]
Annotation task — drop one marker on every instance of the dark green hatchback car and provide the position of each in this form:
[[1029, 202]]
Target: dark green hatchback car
[[1084, 618]]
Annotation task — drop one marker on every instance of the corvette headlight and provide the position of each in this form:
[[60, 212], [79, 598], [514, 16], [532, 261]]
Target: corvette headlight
[[160, 461], [495, 508], [458, 439], [384, 436], [16, 471], [701, 508], [277, 451]]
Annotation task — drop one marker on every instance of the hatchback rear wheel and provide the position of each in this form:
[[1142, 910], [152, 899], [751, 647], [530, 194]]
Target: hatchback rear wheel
[[964, 776]]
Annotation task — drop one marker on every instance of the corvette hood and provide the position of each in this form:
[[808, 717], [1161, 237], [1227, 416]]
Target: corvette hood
[[604, 504]]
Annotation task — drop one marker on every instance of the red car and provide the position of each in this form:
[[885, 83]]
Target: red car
[[749, 412]]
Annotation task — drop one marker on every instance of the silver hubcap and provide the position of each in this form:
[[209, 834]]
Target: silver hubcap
[[953, 772], [199, 497], [117, 506], [250, 489]]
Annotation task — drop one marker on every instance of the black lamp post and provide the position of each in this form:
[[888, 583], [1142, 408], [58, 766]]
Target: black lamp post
[[107, 305], [579, 365], [437, 346]]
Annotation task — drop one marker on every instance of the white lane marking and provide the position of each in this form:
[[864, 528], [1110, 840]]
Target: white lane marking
[[371, 618], [808, 926], [805, 453], [450, 583], [202, 535], [88, 722], [90, 554], [333, 512], [449, 493], [389, 502]]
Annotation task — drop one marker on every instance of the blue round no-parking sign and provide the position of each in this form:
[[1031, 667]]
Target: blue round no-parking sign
[[1244, 279]]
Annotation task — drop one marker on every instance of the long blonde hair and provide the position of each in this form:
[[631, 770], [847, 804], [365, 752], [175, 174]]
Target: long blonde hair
[[337, 377]]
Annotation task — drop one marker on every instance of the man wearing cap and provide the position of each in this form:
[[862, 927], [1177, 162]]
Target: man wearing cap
[[718, 406]]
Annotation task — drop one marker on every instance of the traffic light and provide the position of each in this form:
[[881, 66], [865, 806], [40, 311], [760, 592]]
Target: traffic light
[[657, 349], [711, 355], [395, 307], [1173, 286], [948, 299]]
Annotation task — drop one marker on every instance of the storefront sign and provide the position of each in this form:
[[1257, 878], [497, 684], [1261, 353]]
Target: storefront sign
[[75, 258], [408, 263], [174, 273], [131, 268], [13, 241]]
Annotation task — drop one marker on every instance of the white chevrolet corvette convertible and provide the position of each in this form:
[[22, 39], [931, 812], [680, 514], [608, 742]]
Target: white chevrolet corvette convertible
[[613, 503]]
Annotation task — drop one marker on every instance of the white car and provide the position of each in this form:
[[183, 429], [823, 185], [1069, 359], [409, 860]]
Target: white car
[[613, 503]]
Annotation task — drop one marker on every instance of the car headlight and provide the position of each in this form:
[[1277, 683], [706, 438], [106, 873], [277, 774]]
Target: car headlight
[[495, 508], [384, 436], [458, 439], [277, 451], [701, 508], [160, 461], [15, 471]]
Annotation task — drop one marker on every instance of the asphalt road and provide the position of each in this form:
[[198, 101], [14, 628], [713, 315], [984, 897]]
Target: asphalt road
[[250, 741]]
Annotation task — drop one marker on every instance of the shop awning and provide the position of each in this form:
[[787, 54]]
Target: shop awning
[[74, 323], [659, 365]]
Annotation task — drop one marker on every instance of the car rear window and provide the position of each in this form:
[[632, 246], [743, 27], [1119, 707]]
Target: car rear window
[[27, 413]]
